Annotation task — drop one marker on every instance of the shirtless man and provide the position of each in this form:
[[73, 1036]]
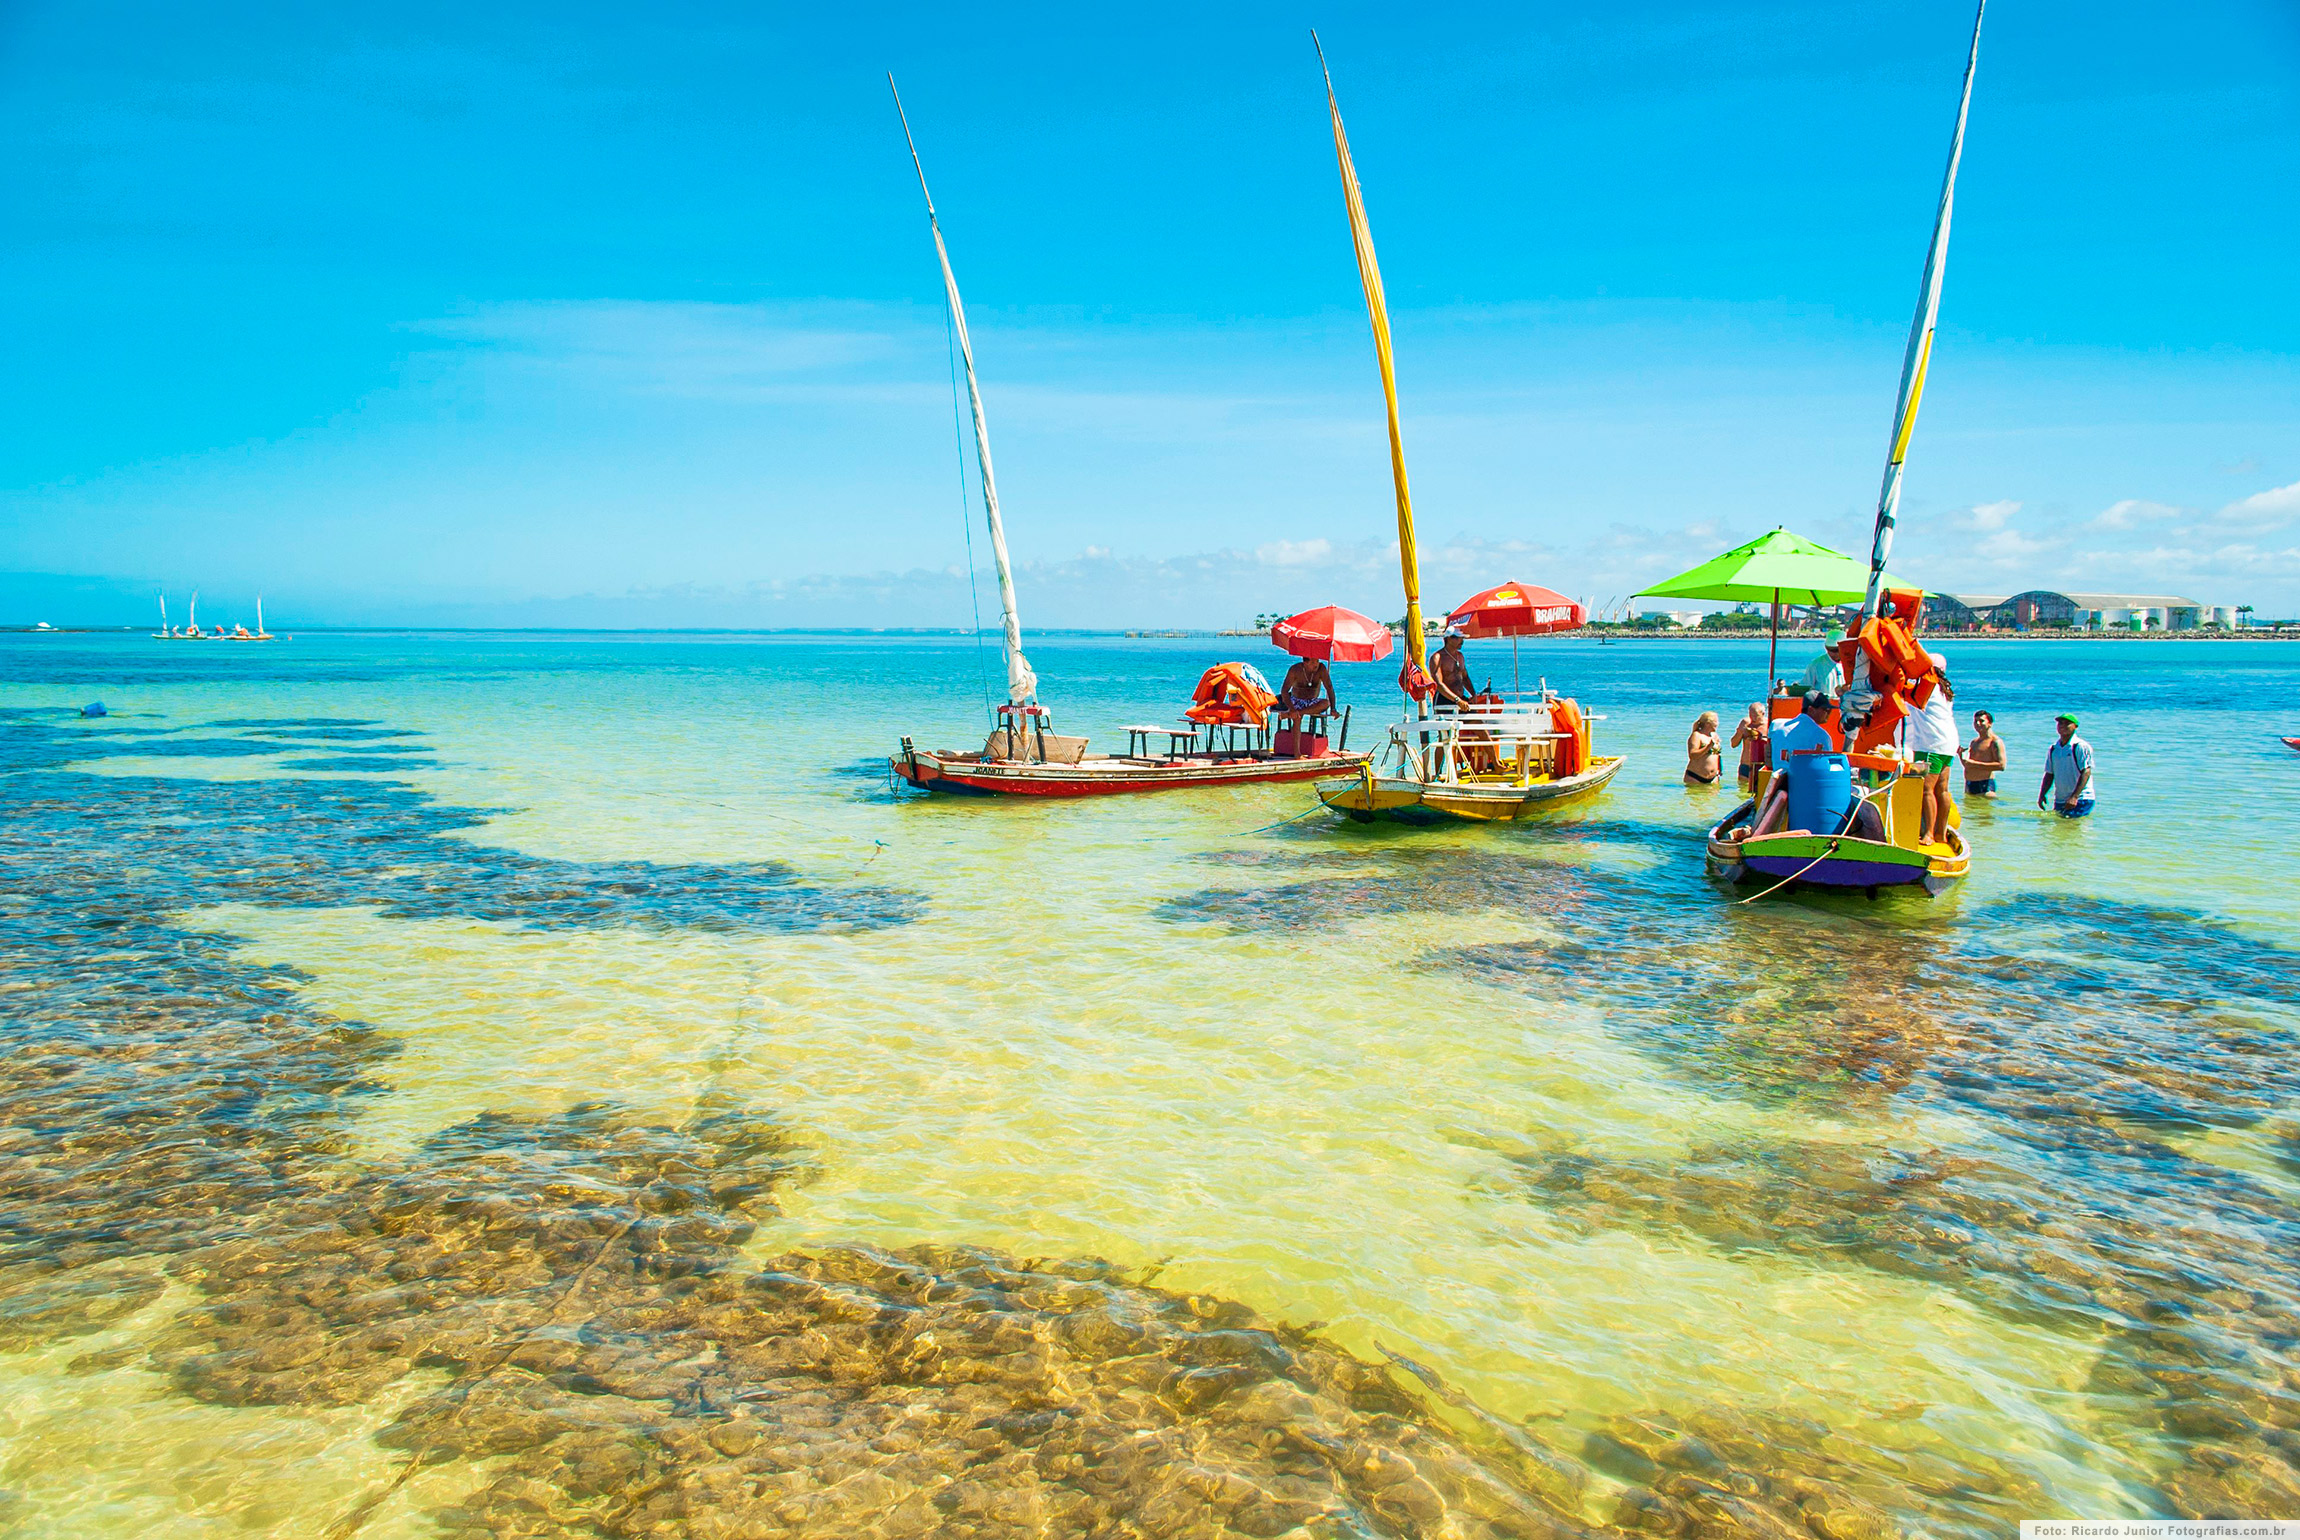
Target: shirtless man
[[1449, 671], [1307, 691], [1984, 757]]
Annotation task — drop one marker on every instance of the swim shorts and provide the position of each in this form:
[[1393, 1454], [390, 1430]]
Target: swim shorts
[[2073, 809], [1979, 788], [1935, 763]]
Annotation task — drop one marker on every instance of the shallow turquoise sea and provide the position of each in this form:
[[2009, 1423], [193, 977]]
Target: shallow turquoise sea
[[553, 1084]]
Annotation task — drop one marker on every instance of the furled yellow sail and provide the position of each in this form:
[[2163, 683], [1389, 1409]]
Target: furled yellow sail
[[1377, 310]]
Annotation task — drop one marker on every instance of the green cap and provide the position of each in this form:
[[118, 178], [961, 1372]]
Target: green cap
[[1836, 633], [2067, 716]]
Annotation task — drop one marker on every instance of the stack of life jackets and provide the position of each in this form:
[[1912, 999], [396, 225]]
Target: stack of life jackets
[[1885, 656], [1232, 693]]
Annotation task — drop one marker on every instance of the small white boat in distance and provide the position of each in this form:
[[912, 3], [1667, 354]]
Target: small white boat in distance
[[243, 634]]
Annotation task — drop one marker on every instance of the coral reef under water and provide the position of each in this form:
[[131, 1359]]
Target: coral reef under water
[[572, 1307], [609, 1349], [2087, 1039]]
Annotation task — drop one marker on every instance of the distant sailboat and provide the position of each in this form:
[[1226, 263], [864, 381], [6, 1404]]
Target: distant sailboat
[[163, 634]]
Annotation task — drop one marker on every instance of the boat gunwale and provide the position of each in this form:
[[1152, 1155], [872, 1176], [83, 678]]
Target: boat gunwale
[[1110, 774], [1824, 851]]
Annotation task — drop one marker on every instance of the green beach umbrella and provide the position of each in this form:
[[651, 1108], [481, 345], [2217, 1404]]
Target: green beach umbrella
[[1776, 568]]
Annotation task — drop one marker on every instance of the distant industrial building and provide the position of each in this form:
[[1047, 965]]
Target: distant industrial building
[[2047, 609]]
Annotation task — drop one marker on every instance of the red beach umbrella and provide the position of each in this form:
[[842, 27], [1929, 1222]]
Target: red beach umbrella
[[1517, 609], [1333, 633]]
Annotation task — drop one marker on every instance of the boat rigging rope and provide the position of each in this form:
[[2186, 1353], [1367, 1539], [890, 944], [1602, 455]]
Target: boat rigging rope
[[1281, 823], [1793, 876], [965, 508]]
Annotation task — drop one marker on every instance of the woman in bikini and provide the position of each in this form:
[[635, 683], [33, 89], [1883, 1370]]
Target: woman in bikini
[[1704, 755]]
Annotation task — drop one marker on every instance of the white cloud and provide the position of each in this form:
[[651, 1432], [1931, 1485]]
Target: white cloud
[[2010, 545], [688, 349], [2271, 509], [1295, 553], [2135, 512], [1987, 518]]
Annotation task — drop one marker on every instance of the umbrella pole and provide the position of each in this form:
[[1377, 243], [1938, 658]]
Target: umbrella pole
[[1773, 653], [1514, 687]]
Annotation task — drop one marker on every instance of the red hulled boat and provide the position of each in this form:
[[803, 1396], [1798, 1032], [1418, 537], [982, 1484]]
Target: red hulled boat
[[1024, 756]]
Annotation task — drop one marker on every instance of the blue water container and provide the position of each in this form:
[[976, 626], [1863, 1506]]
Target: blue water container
[[1820, 792]]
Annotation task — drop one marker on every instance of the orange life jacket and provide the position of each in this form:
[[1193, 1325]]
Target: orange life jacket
[[1573, 748], [1225, 694], [1896, 664]]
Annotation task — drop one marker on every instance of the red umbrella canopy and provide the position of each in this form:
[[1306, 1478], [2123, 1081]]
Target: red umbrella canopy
[[1333, 633], [1517, 609]]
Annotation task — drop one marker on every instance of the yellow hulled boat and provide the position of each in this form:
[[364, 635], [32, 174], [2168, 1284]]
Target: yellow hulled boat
[[1487, 764], [1498, 757]]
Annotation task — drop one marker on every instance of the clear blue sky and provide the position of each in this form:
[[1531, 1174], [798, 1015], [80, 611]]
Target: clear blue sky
[[603, 315]]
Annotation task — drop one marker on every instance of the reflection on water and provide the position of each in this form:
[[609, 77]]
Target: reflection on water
[[1632, 1209]]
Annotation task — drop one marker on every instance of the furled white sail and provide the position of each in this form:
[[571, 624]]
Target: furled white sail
[[1021, 683], [1920, 353]]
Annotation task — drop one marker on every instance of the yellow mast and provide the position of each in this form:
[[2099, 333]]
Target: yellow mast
[[1370, 274]]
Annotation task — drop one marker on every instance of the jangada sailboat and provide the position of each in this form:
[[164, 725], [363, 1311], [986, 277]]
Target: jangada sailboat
[[259, 634], [1501, 756], [1844, 811], [1024, 755]]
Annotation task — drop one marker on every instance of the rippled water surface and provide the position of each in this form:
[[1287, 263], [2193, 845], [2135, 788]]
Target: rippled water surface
[[552, 1086]]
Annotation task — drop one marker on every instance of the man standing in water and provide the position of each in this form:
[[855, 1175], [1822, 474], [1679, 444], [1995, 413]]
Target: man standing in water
[[2067, 771], [1984, 757]]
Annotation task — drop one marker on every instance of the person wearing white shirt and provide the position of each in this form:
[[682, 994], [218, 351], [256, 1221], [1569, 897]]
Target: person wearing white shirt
[[2067, 771], [1930, 735]]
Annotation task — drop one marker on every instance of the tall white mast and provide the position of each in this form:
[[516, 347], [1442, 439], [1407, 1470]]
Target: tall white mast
[[1920, 354], [1021, 683], [164, 616]]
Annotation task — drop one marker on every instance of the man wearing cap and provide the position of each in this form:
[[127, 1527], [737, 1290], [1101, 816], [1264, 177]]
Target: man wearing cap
[[2067, 771], [1822, 676]]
